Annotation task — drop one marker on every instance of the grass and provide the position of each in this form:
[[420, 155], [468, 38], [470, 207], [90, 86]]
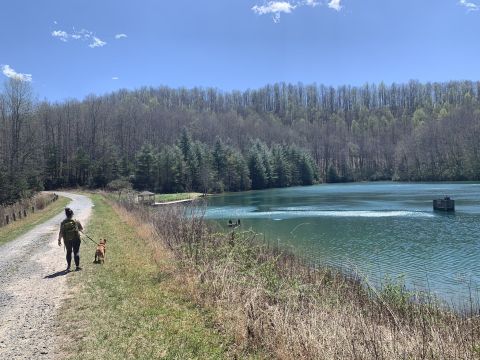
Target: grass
[[176, 197], [133, 306], [172, 288], [271, 301], [22, 226]]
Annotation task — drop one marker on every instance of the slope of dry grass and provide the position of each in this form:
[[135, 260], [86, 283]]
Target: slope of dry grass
[[134, 307], [271, 301]]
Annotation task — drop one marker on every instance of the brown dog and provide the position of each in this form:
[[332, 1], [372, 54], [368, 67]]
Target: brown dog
[[100, 252]]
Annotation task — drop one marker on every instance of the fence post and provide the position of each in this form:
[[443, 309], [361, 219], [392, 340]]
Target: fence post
[[24, 213], [7, 220], [14, 217], [33, 209]]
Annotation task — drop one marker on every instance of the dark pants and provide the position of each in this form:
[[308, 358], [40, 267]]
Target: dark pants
[[75, 246]]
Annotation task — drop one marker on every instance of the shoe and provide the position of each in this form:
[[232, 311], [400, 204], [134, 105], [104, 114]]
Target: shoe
[[67, 269], [78, 268]]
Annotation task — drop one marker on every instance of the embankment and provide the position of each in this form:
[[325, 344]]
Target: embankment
[[173, 287], [17, 219], [271, 301], [133, 306]]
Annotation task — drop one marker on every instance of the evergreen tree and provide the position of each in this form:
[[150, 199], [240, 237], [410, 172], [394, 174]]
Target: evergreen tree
[[201, 168], [52, 167], [220, 164], [82, 167], [332, 176], [171, 170], [125, 167], [144, 171], [258, 174], [185, 144], [307, 170], [241, 179], [282, 168]]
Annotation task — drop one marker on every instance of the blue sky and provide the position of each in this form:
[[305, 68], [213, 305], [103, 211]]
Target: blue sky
[[69, 47]]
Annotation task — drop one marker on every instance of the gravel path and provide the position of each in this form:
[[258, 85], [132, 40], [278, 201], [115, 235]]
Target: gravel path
[[33, 285]]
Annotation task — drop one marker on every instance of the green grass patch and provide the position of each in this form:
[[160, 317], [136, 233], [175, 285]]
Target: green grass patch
[[22, 226], [131, 307], [176, 197]]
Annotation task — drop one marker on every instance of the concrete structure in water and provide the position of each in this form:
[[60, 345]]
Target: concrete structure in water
[[445, 204]]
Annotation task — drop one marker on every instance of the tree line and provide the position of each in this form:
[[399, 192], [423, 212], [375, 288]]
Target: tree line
[[193, 165], [211, 140]]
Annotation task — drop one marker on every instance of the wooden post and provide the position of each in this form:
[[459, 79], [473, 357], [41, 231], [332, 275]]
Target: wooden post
[[7, 220], [24, 213], [33, 209], [14, 217]]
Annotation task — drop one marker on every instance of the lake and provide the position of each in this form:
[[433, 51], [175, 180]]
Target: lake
[[377, 229]]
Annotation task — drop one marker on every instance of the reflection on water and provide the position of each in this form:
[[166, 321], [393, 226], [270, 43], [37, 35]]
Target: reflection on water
[[378, 228]]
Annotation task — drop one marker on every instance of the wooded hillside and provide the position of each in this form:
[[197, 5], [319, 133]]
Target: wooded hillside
[[165, 139]]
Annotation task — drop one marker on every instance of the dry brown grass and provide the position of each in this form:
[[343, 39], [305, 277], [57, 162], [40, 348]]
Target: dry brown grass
[[272, 301]]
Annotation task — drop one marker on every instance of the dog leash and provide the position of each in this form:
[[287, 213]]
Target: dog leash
[[89, 237]]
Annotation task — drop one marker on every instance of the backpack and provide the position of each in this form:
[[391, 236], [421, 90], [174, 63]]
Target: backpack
[[70, 230]]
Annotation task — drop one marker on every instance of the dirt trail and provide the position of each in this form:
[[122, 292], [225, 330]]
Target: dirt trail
[[33, 285]]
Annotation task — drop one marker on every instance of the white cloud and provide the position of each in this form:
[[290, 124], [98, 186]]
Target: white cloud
[[115, 78], [97, 43], [55, 22], [335, 4], [311, 3], [10, 73], [62, 35], [276, 8], [469, 5], [84, 35], [120, 36]]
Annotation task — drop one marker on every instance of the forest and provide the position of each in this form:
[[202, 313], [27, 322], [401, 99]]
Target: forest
[[207, 140]]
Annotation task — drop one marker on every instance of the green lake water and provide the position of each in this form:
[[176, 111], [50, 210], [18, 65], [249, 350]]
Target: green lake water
[[376, 229]]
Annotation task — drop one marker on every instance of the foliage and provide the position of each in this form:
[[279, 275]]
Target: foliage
[[144, 171], [206, 139], [121, 184]]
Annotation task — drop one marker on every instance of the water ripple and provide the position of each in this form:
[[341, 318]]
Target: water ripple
[[381, 229], [280, 214]]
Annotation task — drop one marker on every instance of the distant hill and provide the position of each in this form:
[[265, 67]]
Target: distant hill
[[165, 139]]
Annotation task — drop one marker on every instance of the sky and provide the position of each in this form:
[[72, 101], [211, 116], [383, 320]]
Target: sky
[[73, 48]]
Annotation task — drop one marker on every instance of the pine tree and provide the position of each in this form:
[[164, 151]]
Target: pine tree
[[258, 174], [171, 170], [144, 171], [307, 170], [220, 164], [82, 167], [282, 168]]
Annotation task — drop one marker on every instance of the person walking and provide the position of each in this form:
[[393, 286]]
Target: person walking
[[70, 232]]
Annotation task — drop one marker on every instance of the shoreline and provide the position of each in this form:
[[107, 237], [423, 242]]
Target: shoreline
[[271, 299]]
